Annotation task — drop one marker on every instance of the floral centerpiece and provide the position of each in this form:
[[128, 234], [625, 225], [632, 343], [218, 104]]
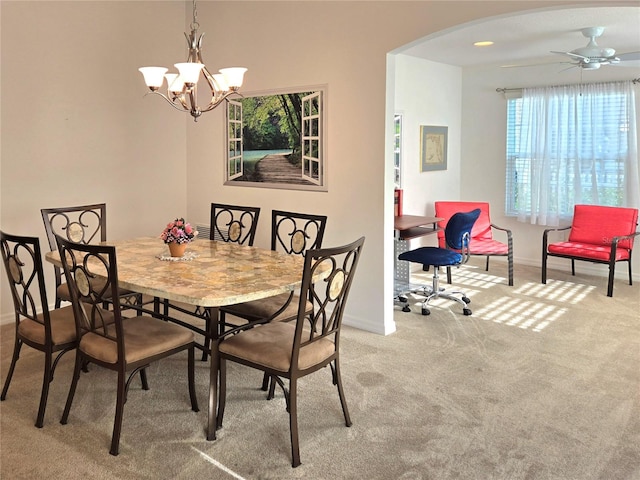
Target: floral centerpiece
[[177, 234]]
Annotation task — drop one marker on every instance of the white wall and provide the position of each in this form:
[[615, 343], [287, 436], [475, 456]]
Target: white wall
[[76, 128], [428, 93]]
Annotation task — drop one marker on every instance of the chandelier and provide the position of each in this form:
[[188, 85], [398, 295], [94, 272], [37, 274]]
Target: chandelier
[[182, 91]]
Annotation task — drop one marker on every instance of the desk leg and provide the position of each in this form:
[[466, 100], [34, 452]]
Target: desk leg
[[213, 374]]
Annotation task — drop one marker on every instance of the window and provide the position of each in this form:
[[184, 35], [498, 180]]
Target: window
[[397, 150], [277, 140], [568, 145]]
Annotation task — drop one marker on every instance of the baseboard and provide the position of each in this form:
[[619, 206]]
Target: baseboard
[[6, 318], [368, 325]]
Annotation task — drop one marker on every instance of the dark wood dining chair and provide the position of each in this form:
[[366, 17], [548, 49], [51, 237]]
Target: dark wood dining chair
[[292, 233], [85, 224], [293, 350], [234, 223], [106, 338], [51, 332]]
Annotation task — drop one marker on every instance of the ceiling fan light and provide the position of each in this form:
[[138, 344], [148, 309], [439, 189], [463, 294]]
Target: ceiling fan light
[[590, 66], [607, 52]]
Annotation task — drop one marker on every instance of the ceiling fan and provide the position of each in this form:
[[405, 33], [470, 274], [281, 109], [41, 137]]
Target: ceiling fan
[[592, 57]]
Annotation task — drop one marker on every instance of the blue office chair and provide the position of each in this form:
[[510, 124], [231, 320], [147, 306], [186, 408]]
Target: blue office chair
[[457, 234]]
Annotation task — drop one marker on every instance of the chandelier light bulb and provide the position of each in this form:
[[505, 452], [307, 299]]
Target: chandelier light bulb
[[221, 82], [234, 76], [153, 76], [175, 84], [190, 72]]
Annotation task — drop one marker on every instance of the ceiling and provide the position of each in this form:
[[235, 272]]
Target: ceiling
[[529, 38]]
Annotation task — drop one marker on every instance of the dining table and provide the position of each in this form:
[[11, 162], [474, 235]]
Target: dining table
[[210, 275]]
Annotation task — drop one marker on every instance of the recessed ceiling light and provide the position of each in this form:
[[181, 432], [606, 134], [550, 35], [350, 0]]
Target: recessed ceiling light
[[483, 44]]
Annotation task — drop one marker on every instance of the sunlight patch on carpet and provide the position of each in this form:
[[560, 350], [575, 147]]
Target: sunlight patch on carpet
[[218, 464], [525, 314]]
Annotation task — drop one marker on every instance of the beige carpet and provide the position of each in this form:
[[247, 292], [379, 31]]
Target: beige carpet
[[541, 382]]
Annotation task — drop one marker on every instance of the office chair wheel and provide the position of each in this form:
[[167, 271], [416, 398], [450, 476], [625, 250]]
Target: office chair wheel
[[466, 311], [426, 311], [466, 300]]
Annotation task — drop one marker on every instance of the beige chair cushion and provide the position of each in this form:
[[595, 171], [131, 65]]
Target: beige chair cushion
[[63, 292], [144, 338], [270, 346], [267, 307], [63, 327]]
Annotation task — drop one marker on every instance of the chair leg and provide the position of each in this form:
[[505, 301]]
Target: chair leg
[[222, 392], [293, 422], [438, 292], [143, 379], [510, 266], [265, 382], [343, 400], [207, 341], [192, 381], [79, 364], [46, 381], [272, 388], [612, 269], [16, 354], [117, 424]]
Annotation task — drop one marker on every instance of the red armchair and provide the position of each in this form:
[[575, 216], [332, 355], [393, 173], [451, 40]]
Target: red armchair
[[598, 235], [482, 241]]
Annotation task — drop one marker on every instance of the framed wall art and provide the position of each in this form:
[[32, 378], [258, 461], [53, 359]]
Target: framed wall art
[[277, 139], [433, 148]]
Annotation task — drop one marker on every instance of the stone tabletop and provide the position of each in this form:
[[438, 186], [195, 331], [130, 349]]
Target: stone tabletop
[[220, 274]]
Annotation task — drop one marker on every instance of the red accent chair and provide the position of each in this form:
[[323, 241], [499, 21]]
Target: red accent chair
[[482, 241], [599, 235]]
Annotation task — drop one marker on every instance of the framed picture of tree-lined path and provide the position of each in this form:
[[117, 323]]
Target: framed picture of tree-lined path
[[277, 139]]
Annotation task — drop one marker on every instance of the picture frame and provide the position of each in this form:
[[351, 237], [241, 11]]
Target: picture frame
[[433, 148], [277, 139]]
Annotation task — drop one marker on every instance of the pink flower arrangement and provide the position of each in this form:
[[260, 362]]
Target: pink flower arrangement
[[178, 231]]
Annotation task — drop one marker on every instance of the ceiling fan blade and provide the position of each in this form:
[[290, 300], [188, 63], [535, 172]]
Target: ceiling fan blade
[[575, 65], [629, 56], [536, 64], [574, 55]]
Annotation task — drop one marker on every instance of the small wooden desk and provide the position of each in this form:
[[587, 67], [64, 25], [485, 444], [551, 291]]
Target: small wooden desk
[[221, 274], [413, 226]]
